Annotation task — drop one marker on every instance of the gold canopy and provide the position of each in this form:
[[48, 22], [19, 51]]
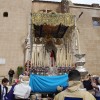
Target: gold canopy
[[53, 19]]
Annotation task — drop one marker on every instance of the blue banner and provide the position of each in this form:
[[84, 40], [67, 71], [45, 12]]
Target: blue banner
[[47, 84]]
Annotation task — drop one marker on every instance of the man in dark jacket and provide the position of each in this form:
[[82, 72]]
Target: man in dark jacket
[[3, 89], [11, 74]]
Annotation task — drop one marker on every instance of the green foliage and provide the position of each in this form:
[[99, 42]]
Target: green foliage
[[20, 70]]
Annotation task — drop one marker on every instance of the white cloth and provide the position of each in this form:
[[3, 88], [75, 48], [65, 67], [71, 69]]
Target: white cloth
[[97, 93], [22, 90]]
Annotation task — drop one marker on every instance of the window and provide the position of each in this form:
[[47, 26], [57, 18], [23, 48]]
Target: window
[[96, 21], [5, 14]]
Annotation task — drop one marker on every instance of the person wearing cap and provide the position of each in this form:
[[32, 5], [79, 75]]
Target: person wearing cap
[[74, 89], [3, 88]]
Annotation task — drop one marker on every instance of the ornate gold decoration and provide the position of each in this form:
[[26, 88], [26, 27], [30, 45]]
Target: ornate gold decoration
[[58, 41], [48, 29], [53, 19], [37, 41], [50, 22]]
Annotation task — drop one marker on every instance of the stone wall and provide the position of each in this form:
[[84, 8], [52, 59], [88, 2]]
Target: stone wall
[[43, 5], [13, 31], [89, 36]]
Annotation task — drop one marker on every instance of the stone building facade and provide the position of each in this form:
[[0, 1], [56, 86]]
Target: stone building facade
[[15, 28], [88, 35]]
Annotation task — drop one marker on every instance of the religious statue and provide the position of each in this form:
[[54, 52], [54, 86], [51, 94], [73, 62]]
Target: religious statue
[[51, 50]]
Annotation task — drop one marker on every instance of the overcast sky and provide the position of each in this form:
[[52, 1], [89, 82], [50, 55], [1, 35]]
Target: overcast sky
[[86, 1], [79, 1]]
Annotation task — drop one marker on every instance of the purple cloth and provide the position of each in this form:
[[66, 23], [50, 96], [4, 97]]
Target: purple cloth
[[10, 95]]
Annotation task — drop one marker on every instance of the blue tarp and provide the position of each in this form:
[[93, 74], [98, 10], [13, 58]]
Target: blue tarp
[[47, 84]]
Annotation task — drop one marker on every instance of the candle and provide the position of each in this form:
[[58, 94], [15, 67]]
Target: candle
[[57, 58], [32, 56], [36, 54]]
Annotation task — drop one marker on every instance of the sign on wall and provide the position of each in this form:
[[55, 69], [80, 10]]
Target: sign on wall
[[2, 61]]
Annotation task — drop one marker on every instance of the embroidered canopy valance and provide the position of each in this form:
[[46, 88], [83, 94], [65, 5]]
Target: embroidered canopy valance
[[53, 19]]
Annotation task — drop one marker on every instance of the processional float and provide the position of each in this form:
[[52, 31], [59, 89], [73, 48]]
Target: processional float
[[51, 43], [54, 44]]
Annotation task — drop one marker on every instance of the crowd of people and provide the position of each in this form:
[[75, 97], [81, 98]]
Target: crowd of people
[[74, 90], [20, 89], [92, 84], [87, 88]]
